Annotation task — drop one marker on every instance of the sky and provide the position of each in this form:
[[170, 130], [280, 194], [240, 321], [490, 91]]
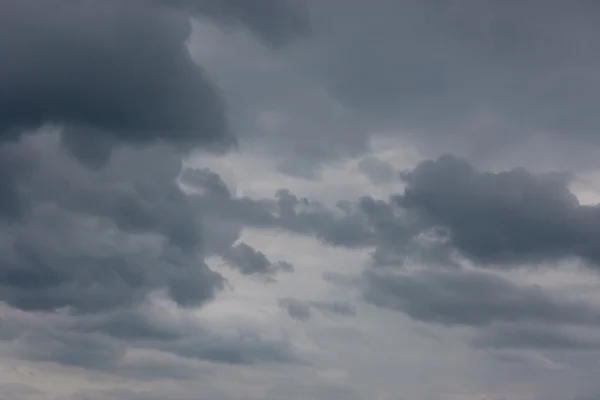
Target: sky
[[299, 200]]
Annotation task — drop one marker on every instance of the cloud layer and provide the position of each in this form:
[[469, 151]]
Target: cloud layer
[[299, 199]]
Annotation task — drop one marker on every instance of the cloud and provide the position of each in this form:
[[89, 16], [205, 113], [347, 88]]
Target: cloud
[[274, 21], [475, 78], [91, 351], [536, 337], [342, 226], [449, 211], [99, 239], [107, 230], [103, 341], [378, 171], [296, 309], [499, 314], [341, 308], [473, 298], [96, 244], [17, 391], [108, 72], [302, 309], [502, 218], [252, 262], [126, 394], [119, 72], [15, 163], [101, 100]]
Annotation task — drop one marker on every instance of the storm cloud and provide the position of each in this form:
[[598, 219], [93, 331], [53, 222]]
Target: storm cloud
[[100, 102], [299, 199], [107, 72], [116, 71]]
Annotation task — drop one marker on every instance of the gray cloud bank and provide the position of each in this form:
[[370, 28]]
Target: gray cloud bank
[[502, 83], [450, 213], [100, 100], [474, 77]]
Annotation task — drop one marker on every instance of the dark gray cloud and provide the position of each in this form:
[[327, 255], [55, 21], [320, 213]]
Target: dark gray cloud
[[214, 195], [343, 226], [99, 239], [473, 298], [295, 308], [502, 218], [15, 163], [109, 72], [95, 244], [245, 348], [549, 338], [473, 77], [250, 261], [112, 71], [302, 309], [340, 227], [274, 21], [90, 236], [500, 83], [448, 210], [341, 308], [101, 341], [500, 315], [93, 231]]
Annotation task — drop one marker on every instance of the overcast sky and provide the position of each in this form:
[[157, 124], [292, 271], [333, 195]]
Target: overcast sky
[[299, 199]]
